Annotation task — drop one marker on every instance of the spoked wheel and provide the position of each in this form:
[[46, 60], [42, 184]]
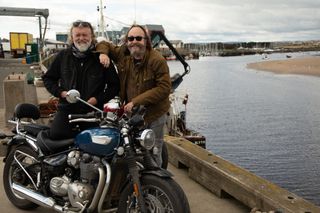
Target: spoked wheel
[[25, 157], [161, 195]]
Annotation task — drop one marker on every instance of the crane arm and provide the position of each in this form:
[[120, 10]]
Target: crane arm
[[16, 11]]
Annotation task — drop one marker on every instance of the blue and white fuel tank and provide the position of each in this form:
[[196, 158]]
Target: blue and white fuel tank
[[99, 141]]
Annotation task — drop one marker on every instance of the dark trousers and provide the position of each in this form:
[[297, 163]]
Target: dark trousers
[[62, 129]]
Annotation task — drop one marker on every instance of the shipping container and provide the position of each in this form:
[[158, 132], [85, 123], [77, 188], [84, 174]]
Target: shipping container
[[18, 42]]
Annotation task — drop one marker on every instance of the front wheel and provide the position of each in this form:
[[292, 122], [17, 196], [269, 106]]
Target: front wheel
[[13, 173], [164, 156], [161, 195]]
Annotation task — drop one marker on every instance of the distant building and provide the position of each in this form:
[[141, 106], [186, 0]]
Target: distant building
[[5, 46], [62, 37], [114, 36], [175, 43]]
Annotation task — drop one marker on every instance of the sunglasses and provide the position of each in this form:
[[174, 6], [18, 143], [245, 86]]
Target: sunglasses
[[81, 24], [138, 38]]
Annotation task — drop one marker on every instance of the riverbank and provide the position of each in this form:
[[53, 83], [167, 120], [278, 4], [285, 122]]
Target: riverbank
[[301, 66]]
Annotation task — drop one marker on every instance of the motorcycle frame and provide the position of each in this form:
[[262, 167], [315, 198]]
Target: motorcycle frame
[[21, 138]]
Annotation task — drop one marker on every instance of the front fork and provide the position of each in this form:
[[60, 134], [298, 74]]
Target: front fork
[[135, 177]]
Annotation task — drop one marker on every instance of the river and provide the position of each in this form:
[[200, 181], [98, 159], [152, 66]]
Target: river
[[266, 123]]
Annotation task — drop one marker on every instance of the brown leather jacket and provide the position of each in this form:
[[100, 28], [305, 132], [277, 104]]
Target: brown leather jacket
[[153, 78]]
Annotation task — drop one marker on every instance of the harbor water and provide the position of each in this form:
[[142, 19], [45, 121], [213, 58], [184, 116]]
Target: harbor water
[[266, 123]]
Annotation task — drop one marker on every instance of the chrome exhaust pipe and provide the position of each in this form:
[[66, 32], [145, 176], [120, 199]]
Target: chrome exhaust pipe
[[36, 197]]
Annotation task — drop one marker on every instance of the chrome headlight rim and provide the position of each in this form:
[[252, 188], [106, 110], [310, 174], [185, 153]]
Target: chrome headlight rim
[[147, 139]]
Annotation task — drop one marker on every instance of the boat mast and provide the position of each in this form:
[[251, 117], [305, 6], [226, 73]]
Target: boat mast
[[135, 12], [101, 31]]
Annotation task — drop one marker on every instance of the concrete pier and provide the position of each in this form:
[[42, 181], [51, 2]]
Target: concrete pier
[[225, 179], [211, 183]]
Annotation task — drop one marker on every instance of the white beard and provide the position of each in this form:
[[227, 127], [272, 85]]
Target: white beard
[[82, 47]]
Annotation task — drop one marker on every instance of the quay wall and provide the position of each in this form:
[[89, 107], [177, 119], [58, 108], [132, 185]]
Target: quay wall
[[226, 179]]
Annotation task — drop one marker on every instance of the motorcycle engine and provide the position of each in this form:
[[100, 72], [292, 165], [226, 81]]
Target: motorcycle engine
[[79, 191]]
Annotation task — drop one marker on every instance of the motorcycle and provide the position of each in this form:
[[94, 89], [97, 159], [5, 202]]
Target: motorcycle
[[108, 168]]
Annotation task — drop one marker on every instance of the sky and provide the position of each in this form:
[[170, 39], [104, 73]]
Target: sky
[[187, 20]]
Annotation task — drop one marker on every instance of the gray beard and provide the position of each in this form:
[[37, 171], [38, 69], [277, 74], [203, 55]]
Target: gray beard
[[82, 47], [137, 54]]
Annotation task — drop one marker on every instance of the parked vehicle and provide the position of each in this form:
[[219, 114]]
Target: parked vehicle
[[1, 51], [107, 168], [18, 41]]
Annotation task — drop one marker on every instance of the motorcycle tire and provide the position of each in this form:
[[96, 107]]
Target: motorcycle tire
[[164, 156], [160, 194], [13, 173]]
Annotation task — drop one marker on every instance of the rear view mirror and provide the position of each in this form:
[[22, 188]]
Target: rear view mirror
[[72, 96]]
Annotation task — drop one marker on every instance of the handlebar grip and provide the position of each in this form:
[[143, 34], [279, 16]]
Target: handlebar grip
[[76, 116]]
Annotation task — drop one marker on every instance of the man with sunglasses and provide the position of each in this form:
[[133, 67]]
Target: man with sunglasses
[[78, 67], [144, 79]]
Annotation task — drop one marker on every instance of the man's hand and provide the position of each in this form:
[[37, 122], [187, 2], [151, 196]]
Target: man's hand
[[93, 101], [128, 107], [104, 60], [63, 94]]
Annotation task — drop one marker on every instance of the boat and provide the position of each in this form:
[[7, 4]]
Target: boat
[[171, 58]]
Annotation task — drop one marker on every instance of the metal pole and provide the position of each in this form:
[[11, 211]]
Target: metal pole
[[40, 40]]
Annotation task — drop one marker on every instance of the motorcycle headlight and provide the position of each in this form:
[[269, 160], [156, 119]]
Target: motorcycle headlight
[[147, 139]]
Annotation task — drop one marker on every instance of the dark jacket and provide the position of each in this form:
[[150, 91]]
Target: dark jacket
[[152, 77], [86, 75]]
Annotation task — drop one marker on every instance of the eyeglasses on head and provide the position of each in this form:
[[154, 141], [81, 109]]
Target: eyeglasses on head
[[81, 24]]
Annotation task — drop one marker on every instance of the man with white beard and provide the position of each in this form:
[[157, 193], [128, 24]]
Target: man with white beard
[[78, 67]]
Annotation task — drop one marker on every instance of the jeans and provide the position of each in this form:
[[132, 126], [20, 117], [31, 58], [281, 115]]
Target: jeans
[[157, 127]]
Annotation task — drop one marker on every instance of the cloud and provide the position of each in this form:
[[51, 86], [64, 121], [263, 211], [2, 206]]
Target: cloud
[[188, 20]]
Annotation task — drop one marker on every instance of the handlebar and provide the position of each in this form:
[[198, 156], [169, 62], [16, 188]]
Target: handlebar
[[90, 117], [87, 115], [135, 119], [84, 120]]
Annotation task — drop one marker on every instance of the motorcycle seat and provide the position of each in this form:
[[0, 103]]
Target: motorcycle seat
[[49, 146], [26, 110]]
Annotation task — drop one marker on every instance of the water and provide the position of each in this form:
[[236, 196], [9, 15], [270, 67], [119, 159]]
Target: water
[[266, 123]]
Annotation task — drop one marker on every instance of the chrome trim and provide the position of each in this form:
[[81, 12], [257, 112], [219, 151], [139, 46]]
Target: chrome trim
[[84, 120], [106, 187], [36, 197], [30, 140], [100, 187], [86, 103], [25, 171]]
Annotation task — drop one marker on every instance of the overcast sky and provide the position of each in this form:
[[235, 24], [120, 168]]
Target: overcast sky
[[187, 20]]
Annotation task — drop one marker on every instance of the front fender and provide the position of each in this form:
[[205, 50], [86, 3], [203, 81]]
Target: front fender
[[158, 172]]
